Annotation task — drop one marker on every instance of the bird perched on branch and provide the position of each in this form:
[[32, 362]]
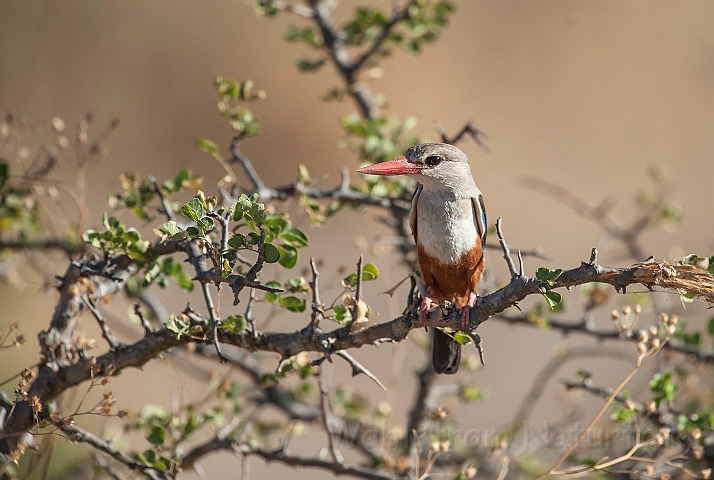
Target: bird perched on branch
[[448, 221]]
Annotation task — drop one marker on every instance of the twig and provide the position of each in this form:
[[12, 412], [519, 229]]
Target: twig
[[165, 205], [106, 332], [77, 434], [237, 156], [326, 414], [214, 321], [107, 467], [540, 381], [358, 368], [398, 14], [317, 307], [468, 129], [642, 360], [148, 329], [600, 214], [418, 411], [296, 461], [507, 252]]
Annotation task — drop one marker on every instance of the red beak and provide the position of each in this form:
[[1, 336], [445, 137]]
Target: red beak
[[398, 166]]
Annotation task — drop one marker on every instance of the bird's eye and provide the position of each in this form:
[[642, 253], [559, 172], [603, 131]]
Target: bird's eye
[[433, 160]]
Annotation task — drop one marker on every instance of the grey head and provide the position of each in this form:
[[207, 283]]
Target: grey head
[[443, 168]]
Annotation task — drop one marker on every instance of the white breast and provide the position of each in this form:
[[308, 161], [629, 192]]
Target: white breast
[[445, 226]]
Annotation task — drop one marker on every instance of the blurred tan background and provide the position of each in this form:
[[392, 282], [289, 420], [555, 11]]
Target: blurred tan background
[[584, 94]]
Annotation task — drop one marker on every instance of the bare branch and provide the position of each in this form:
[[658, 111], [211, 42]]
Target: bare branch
[[77, 434], [398, 14], [358, 368], [507, 252], [165, 205], [106, 333], [337, 457], [468, 129]]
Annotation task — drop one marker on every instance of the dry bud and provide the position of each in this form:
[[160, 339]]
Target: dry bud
[[649, 469], [671, 328], [654, 330], [471, 471], [36, 404], [445, 445], [665, 476], [651, 406], [638, 309], [698, 452], [655, 342], [441, 413], [435, 446], [626, 310], [673, 320], [663, 317], [643, 335], [629, 404], [615, 315], [706, 473], [696, 434]]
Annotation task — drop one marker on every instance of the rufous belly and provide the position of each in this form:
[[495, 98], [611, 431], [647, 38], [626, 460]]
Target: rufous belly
[[452, 282]]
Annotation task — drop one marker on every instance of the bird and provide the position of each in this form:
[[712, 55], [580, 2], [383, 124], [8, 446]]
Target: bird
[[448, 222]]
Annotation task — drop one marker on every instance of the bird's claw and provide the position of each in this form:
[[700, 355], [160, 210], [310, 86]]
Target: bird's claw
[[425, 306]]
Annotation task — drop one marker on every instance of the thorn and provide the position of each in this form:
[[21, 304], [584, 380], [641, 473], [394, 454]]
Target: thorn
[[477, 342]]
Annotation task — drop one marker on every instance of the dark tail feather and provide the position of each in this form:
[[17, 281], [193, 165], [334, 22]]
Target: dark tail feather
[[445, 353]]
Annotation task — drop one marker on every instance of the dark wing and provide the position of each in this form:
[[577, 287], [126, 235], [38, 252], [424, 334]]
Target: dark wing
[[413, 212], [479, 210]]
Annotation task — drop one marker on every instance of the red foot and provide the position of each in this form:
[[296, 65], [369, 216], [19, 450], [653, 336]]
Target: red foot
[[465, 311], [425, 305]]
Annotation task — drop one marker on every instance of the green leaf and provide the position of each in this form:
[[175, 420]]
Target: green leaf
[[206, 224], [292, 303], [554, 274], [270, 296], [206, 145], [193, 209], [342, 313], [89, 235], [542, 274], [272, 254], [235, 324], [131, 235], [369, 272], [350, 280], [184, 281], [171, 228], [243, 204], [156, 435], [237, 241], [462, 338], [288, 256], [295, 236], [193, 232], [553, 298]]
